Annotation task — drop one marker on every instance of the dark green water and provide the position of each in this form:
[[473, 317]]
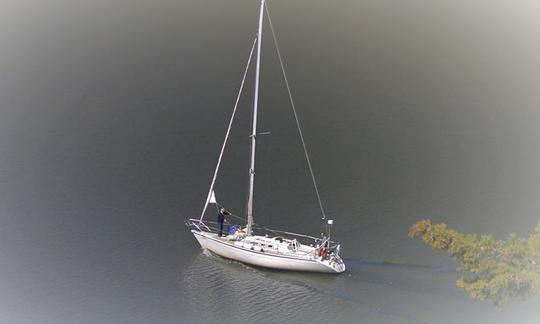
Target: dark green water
[[111, 118]]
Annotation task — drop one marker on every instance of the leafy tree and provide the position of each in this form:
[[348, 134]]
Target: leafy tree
[[496, 270]]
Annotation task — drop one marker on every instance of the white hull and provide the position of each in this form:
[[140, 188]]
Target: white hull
[[267, 259]]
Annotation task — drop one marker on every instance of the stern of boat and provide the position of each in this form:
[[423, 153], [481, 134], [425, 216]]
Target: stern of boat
[[333, 264]]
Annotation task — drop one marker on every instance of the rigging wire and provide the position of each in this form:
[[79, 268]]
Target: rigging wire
[[294, 112], [228, 131]]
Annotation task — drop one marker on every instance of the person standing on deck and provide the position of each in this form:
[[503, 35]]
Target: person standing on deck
[[322, 246], [221, 218], [321, 241]]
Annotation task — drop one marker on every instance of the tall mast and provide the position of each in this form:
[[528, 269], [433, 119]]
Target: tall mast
[[254, 125]]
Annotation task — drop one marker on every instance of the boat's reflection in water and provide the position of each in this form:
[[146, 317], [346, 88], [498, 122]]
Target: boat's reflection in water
[[220, 289]]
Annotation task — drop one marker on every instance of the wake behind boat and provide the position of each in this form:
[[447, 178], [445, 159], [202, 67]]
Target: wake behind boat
[[257, 245]]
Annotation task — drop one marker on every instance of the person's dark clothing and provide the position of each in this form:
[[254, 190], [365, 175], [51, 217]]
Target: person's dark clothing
[[221, 219], [327, 243], [321, 240]]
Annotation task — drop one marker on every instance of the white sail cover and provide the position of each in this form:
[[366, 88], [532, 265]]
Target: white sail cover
[[212, 198]]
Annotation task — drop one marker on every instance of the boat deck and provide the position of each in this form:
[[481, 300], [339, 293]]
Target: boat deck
[[268, 246]]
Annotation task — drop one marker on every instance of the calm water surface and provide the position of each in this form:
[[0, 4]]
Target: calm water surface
[[111, 118]]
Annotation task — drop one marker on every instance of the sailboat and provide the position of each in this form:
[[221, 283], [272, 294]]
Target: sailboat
[[257, 245]]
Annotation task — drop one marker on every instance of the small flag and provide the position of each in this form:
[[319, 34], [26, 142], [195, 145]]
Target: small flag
[[212, 198]]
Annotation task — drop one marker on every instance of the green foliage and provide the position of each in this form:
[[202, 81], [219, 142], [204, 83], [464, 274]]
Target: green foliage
[[496, 270]]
